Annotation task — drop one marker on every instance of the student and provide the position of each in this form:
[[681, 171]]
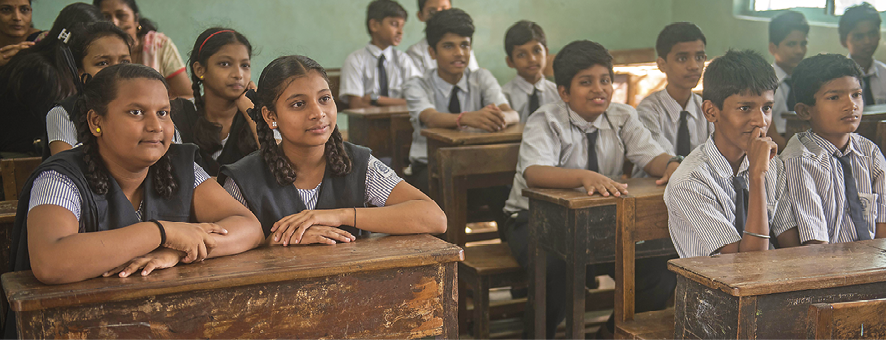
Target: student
[[582, 141], [860, 33], [527, 51], [93, 46], [674, 115], [312, 187], [834, 177], [787, 43], [34, 81], [419, 52], [374, 75], [217, 121], [16, 31], [452, 95], [151, 48], [723, 196]]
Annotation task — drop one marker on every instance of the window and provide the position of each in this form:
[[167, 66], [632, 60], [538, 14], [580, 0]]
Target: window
[[840, 6], [814, 10], [773, 5]]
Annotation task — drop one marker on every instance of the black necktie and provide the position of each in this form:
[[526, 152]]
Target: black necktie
[[856, 211], [792, 101], [382, 77], [740, 185], [592, 151], [868, 93], [454, 104], [683, 148], [533, 101]]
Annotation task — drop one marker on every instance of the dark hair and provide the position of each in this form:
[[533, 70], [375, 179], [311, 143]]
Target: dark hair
[[737, 72], [577, 56], [146, 24], [523, 32], [784, 24], [452, 20], [206, 133], [676, 33], [381, 9], [813, 72], [273, 81], [97, 93], [854, 15], [84, 35]]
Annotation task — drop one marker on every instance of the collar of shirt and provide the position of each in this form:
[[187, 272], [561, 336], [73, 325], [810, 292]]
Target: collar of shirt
[[445, 87], [874, 70], [582, 124], [673, 108], [719, 163], [779, 72], [528, 87], [823, 147], [376, 52]]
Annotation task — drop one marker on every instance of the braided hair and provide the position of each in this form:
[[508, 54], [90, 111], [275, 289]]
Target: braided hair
[[97, 93], [273, 81], [206, 133]]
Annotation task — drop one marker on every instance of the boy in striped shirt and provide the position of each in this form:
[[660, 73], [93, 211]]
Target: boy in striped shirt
[[835, 179]]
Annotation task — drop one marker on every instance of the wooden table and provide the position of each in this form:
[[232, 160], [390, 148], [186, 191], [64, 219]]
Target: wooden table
[[439, 184], [579, 229], [767, 294], [371, 127], [384, 287]]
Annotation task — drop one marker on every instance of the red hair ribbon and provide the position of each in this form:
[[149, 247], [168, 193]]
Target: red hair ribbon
[[200, 50]]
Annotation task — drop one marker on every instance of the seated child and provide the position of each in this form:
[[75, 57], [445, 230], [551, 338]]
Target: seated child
[[527, 50], [374, 75], [724, 195], [787, 43], [419, 52], [835, 178], [312, 187], [859, 30], [581, 141]]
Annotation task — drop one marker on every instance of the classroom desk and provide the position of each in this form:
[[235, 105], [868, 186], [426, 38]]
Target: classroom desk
[[382, 287], [767, 294], [439, 184], [581, 230], [371, 127]]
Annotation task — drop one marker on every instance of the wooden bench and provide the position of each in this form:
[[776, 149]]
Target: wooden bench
[[865, 319], [485, 267], [371, 127], [381, 287], [642, 216], [15, 171]]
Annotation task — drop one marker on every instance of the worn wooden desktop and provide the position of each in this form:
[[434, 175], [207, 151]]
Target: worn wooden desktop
[[579, 229], [383, 287], [867, 128], [438, 183], [371, 127], [767, 294]]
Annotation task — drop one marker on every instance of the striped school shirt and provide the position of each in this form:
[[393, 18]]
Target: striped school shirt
[[701, 200], [51, 187], [815, 187], [380, 181], [59, 127]]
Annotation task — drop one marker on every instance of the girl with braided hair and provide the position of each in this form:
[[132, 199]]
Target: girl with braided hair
[[312, 187]]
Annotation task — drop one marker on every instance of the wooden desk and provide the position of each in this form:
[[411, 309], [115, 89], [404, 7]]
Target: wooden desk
[[867, 128], [579, 229], [371, 127], [385, 287], [767, 294], [7, 211], [439, 183]]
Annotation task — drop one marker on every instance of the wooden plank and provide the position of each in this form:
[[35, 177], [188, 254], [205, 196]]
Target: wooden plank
[[455, 137], [378, 112], [848, 320], [7, 211], [15, 172], [578, 198], [479, 159]]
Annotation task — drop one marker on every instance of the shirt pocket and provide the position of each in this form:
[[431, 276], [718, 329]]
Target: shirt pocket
[[869, 207]]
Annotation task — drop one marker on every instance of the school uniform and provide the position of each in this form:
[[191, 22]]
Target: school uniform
[[252, 183], [423, 61], [525, 97], [783, 101], [821, 201], [186, 119], [701, 197], [557, 136], [664, 117], [364, 70], [873, 82]]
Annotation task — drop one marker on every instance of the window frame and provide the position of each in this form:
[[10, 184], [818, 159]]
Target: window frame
[[744, 9]]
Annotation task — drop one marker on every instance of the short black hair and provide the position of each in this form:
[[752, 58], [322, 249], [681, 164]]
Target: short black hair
[[737, 72], [813, 72], [784, 24], [523, 32], [577, 56], [381, 9], [855, 15], [452, 20], [421, 4], [676, 33]]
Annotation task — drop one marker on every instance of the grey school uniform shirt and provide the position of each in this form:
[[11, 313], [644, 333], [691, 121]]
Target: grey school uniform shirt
[[877, 72], [780, 103], [518, 91], [359, 73], [701, 200], [816, 189], [476, 90], [660, 113], [557, 136]]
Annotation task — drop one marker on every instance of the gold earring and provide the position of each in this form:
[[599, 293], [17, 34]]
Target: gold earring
[[98, 130], [201, 77], [139, 27]]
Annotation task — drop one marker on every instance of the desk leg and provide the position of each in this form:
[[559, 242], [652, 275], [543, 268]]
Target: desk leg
[[575, 313], [537, 285], [433, 172], [455, 201], [450, 301]]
